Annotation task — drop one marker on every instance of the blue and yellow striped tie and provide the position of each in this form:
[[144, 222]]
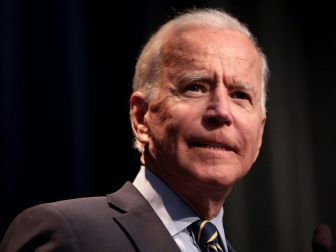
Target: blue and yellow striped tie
[[206, 235]]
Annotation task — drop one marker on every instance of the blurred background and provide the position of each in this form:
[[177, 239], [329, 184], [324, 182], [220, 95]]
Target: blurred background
[[66, 69]]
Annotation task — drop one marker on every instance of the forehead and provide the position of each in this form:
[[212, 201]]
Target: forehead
[[209, 41], [196, 47]]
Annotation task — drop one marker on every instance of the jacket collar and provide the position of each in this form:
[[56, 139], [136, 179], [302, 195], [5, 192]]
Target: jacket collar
[[139, 220]]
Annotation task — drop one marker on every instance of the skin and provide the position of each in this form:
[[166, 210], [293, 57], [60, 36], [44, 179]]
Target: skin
[[203, 130]]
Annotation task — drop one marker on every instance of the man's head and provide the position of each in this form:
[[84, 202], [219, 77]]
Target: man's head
[[198, 106]]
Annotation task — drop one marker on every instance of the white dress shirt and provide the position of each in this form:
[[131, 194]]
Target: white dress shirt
[[175, 214]]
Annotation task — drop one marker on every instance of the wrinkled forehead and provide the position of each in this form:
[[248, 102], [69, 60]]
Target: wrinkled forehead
[[205, 47], [199, 44]]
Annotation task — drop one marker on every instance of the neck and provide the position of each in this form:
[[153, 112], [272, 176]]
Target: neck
[[205, 203], [204, 199]]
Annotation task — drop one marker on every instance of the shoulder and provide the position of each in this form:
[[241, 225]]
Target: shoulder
[[65, 210], [81, 224], [76, 206], [62, 225]]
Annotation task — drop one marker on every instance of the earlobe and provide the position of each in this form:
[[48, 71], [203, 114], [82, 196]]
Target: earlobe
[[138, 110]]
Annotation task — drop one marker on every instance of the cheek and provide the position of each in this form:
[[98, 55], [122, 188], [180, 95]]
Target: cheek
[[255, 145], [170, 117], [162, 125], [251, 136]]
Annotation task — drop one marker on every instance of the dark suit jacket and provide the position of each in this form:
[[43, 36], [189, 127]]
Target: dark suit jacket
[[124, 221]]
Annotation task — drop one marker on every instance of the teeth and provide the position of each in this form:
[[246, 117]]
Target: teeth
[[213, 146]]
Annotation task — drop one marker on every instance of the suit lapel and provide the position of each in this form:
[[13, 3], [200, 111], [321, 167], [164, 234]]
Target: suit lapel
[[140, 222], [230, 248]]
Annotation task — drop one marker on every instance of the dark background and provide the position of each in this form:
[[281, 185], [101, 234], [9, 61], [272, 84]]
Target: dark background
[[66, 68]]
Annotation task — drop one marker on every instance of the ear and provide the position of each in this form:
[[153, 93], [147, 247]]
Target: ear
[[138, 110], [260, 136]]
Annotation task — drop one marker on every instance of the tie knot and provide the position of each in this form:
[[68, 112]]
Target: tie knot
[[206, 235]]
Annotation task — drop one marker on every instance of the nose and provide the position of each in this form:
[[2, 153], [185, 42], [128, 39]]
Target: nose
[[218, 112]]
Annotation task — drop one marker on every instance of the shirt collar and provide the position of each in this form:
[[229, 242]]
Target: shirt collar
[[175, 214]]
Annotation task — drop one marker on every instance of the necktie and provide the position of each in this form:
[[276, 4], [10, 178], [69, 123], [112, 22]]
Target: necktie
[[206, 235]]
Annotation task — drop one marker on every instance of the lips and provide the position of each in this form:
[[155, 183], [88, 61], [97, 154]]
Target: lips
[[213, 145]]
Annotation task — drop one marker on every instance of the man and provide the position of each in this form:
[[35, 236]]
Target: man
[[198, 114]]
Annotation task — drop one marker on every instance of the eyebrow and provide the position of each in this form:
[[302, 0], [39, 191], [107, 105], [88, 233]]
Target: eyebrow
[[205, 77], [196, 76]]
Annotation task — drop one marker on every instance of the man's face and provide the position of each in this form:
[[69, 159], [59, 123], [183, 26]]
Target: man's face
[[206, 123]]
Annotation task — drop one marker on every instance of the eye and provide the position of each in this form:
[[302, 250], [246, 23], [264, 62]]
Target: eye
[[240, 95], [195, 87]]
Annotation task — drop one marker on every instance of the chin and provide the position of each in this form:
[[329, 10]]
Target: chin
[[214, 179]]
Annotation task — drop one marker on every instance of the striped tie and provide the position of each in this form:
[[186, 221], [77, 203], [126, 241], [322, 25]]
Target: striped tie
[[206, 235]]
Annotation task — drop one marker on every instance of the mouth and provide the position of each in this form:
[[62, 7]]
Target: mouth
[[213, 146]]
